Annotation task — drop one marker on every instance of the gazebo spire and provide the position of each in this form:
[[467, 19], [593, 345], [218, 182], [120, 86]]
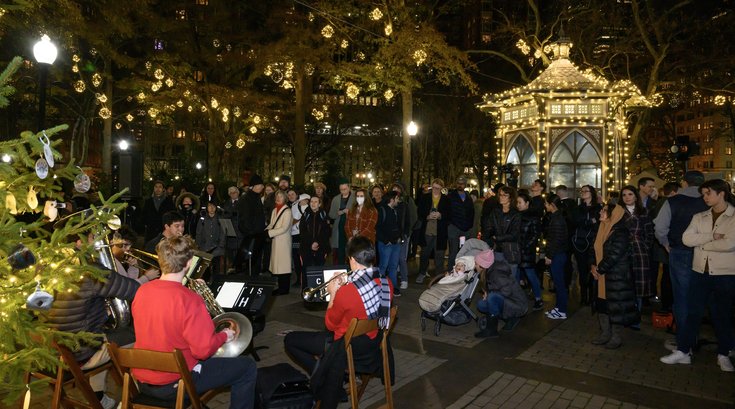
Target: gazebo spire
[[562, 45]]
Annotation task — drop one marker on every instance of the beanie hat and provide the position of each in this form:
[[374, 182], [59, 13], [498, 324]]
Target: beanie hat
[[485, 259], [256, 180]]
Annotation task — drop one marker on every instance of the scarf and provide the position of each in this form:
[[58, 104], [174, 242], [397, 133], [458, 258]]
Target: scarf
[[375, 298], [602, 235]]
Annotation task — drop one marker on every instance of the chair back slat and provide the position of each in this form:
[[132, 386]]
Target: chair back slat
[[145, 359]]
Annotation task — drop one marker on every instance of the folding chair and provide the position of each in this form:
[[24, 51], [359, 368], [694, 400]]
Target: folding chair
[[128, 358], [361, 327], [73, 375]]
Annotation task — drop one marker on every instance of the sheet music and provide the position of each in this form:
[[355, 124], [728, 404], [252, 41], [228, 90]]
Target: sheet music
[[229, 294]]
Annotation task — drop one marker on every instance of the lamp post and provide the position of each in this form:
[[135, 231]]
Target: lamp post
[[412, 129], [45, 53]]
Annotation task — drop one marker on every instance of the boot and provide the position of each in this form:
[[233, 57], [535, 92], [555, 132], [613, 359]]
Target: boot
[[605, 332], [615, 340], [488, 327]]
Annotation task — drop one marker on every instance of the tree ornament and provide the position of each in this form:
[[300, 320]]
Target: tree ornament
[[41, 168], [10, 203], [47, 150], [21, 257], [82, 182], [40, 300], [50, 210], [32, 198]]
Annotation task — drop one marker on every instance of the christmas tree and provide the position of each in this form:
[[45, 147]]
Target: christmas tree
[[39, 258]]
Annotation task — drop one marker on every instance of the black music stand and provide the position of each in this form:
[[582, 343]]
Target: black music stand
[[248, 297]]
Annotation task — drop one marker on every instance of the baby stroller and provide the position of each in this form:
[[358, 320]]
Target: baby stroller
[[449, 303]]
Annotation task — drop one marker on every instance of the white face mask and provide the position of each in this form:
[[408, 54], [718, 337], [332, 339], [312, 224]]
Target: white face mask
[[360, 200], [303, 208]]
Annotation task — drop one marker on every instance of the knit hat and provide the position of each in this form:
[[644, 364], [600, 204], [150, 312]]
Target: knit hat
[[256, 180], [343, 181], [485, 259], [303, 196]]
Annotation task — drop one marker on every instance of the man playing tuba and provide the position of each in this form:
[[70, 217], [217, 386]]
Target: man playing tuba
[[169, 315]]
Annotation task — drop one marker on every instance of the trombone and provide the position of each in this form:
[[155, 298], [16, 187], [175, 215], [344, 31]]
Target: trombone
[[150, 260], [319, 293]]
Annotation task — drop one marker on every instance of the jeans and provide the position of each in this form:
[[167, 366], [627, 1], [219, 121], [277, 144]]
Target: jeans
[[492, 305], [532, 279], [680, 269], [403, 258], [720, 291], [558, 261], [239, 373], [454, 233], [389, 254], [426, 250]]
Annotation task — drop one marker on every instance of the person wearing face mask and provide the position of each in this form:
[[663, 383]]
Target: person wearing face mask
[[641, 238], [362, 217], [297, 211], [315, 232], [188, 205]]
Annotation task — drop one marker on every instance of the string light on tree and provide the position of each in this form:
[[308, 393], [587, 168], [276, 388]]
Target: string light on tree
[[419, 56], [80, 86], [105, 113], [328, 31], [240, 143], [352, 90], [388, 29], [96, 79], [388, 94], [376, 14]]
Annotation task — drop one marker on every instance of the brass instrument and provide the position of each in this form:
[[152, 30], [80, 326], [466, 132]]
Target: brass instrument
[[150, 260], [235, 321], [319, 293], [118, 309]]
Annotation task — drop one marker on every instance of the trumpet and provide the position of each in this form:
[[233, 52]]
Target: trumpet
[[319, 293], [150, 260]]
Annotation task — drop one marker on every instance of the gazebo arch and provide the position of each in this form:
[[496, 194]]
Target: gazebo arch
[[575, 162], [523, 156]]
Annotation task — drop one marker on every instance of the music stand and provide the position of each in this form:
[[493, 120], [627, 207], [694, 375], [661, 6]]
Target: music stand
[[228, 227]]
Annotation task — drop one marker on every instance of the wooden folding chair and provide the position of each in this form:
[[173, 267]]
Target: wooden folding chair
[[361, 327], [128, 358], [71, 375]]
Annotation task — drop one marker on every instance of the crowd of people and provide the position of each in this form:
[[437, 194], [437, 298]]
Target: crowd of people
[[614, 250]]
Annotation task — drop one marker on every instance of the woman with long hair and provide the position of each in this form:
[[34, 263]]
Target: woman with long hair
[[640, 229], [279, 230], [530, 233], [616, 302], [362, 217], [557, 245], [501, 228], [586, 221]]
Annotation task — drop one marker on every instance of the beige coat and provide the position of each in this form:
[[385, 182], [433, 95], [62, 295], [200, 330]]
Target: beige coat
[[280, 231], [720, 254]]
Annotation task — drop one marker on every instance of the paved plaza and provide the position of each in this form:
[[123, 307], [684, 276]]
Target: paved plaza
[[541, 364]]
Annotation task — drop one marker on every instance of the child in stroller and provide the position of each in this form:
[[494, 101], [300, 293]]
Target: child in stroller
[[449, 295]]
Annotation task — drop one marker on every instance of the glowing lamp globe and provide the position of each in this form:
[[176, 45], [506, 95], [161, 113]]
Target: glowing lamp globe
[[45, 51]]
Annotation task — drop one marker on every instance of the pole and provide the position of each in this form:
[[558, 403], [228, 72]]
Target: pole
[[43, 75]]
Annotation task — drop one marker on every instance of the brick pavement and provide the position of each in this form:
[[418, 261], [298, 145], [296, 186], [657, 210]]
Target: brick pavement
[[502, 390]]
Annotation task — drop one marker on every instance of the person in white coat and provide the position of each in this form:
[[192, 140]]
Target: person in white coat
[[279, 231], [712, 281]]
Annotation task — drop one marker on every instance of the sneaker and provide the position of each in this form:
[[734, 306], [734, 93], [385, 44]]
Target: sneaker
[[420, 279], [538, 305], [404, 285], [107, 402], [555, 314], [725, 364], [396, 292], [678, 357]]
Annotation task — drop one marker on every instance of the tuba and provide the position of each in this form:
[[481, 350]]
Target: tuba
[[235, 321], [118, 309]]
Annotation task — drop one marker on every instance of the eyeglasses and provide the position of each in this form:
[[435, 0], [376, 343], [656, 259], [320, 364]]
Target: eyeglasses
[[123, 245]]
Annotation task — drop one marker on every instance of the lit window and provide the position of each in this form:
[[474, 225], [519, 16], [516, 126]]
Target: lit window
[[524, 113], [556, 109], [515, 114], [181, 14], [158, 45], [596, 109], [728, 151], [202, 2], [506, 116], [583, 109], [180, 134], [568, 109]]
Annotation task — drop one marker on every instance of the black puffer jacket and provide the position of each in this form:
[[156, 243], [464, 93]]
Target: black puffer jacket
[[619, 285], [251, 214], [502, 226], [586, 221], [499, 278], [530, 233], [557, 239], [85, 310]]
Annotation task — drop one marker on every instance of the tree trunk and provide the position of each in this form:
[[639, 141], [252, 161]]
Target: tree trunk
[[303, 94], [407, 107], [107, 129]]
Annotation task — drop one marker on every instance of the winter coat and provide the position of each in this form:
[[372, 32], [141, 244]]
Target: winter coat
[[191, 215], [499, 278], [587, 221], [333, 209], [211, 236], [153, 218], [314, 228], [462, 212], [251, 214], [279, 230], [389, 225], [85, 309], [615, 266], [640, 230], [424, 209], [530, 233], [363, 221], [229, 211], [557, 239], [499, 227], [717, 255]]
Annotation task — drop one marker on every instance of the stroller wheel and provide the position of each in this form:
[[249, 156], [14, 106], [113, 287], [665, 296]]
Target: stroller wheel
[[437, 327]]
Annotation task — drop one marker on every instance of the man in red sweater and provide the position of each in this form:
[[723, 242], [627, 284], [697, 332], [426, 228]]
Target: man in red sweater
[[168, 315], [366, 295]]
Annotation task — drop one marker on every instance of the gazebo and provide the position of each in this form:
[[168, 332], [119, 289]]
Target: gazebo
[[566, 127]]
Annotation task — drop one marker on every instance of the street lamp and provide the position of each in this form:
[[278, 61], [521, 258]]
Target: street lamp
[[45, 53], [123, 145], [412, 130]]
